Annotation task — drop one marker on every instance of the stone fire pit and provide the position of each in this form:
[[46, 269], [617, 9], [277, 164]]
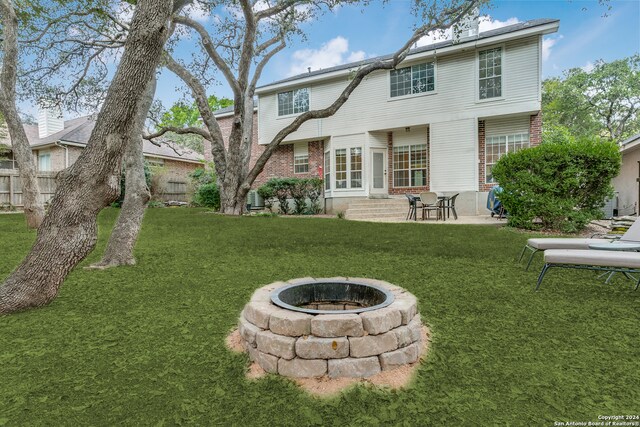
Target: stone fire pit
[[337, 327]]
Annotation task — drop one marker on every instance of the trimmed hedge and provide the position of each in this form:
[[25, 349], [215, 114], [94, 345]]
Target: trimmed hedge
[[206, 192], [558, 185]]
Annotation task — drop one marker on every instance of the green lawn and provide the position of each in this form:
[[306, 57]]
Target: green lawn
[[145, 344]]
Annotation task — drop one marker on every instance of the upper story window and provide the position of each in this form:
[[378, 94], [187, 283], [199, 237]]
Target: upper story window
[[413, 80], [293, 102], [490, 73]]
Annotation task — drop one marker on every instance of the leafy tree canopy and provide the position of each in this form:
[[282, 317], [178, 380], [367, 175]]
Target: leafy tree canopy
[[182, 115], [601, 102]]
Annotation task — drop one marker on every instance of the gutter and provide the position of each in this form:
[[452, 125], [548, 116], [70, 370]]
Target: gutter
[[66, 153]]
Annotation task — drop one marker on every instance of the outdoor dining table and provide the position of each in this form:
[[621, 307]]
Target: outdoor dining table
[[441, 200]]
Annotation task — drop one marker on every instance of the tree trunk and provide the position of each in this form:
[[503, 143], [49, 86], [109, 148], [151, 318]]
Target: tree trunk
[[69, 230], [125, 233], [33, 207]]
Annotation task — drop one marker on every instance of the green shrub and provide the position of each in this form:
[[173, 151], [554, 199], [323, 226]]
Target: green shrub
[[206, 192], [561, 184], [298, 189]]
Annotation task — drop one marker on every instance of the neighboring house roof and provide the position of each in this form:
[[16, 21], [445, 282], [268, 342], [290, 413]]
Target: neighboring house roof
[[431, 47], [78, 131], [228, 111], [630, 143]]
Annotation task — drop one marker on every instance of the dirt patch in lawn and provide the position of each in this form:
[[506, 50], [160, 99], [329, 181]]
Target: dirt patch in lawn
[[326, 387]]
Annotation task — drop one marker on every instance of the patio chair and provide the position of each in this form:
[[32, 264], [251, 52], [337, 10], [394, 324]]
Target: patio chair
[[621, 262], [542, 244], [431, 202], [413, 202], [449, 206]]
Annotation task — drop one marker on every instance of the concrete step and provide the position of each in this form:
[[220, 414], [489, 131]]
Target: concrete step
[[385, 215], [377, 210]]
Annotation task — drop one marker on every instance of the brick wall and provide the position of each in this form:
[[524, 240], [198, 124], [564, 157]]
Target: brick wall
[[535, 129], [403, 190], [535, 138], [280, 164]]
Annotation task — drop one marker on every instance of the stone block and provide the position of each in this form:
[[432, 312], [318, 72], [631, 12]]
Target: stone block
[[403, 334], [259, 313], [302, 368], [290, 323], [353, 368], [322, 348], [251, 350], [407, 305], [337, 325], [267, 362], [277, 345], [372, 345], [415, 326], [263, 294], [380, 321], [248, 330], [397, 358], [380, 283]]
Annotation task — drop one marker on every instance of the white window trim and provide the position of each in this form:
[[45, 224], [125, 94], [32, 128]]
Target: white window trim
[[393, 174], [288, 116], [348, 188], [502, 76], [327, 155], [300, 149], [506, 136], [415, 95]]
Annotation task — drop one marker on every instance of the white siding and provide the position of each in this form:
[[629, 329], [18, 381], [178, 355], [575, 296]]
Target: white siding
[[455, 98], [506, 126], [454, 159]]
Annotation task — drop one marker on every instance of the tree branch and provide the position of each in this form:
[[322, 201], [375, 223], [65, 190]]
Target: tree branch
[[182, 131], [208, 45]]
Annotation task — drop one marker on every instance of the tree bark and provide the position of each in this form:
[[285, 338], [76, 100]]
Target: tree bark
[[33, 206], [125, 233], [69, 230]]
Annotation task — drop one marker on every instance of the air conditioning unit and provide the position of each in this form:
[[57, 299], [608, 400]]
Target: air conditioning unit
[[255, 200]]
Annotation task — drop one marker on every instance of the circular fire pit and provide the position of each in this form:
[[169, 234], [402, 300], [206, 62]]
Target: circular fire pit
[[337, 327]]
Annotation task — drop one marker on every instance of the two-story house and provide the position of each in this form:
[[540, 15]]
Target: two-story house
[[438, 122]]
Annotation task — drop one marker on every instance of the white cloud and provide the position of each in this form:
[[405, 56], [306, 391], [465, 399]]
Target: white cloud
[[334, 52], [197, 12], [485, 23], [547, 45]]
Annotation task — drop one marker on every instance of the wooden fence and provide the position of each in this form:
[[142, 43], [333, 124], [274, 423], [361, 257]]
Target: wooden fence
[[11, 188]]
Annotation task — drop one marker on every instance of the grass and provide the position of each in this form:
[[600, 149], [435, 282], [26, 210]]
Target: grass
[[144, 345]]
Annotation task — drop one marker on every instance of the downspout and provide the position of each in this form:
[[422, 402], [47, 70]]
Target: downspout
[[66, 153]]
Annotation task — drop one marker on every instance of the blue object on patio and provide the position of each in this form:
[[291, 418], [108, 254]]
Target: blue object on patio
[[494, 204]]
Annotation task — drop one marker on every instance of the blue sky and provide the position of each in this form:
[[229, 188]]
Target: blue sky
[[351, 33]]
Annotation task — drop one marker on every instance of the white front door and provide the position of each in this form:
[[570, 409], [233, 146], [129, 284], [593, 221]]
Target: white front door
[[378, 171]]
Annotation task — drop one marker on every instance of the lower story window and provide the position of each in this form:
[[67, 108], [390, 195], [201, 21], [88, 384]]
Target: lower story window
[[349, 168], [410, 165], [44, 162], [327, 171], [301, 164], [498, 146]]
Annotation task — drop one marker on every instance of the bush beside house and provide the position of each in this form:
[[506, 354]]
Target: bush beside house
[[304, 192], [560, 185]]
